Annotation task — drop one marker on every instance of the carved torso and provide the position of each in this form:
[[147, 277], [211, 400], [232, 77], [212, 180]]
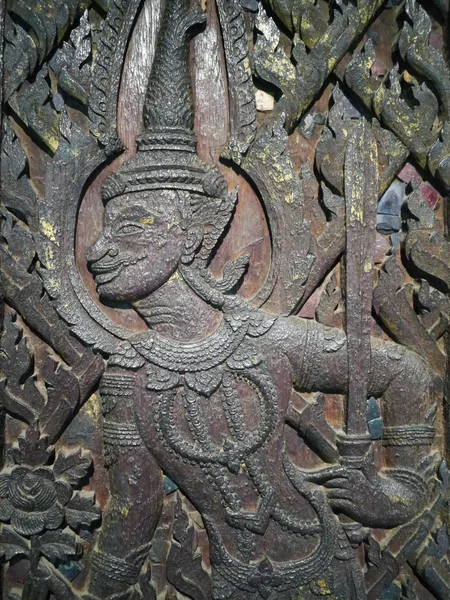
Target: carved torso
[[212, 414]]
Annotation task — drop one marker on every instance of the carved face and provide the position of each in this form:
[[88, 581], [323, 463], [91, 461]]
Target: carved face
[[140, 246]]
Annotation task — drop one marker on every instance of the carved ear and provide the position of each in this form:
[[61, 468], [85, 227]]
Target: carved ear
[[209, 218], [194, 240], [214, 184], [114, 186]]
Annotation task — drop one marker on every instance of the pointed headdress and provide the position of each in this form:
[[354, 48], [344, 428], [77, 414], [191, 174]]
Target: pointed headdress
[[166, 156]]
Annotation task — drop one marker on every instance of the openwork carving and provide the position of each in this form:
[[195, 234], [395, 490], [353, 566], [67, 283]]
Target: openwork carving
[[198, 401]]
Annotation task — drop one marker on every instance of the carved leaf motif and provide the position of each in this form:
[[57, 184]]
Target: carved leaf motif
[[69, 63], [429, 251], [301, 76], [232, 273], [16, 192], [20, 56], [45, 22], [393, 306], [271, 62], [415, 127], [31, 104], [435, 314], [19, 242], [427, 248], [73, 467], [333, 142], [184, 566], [55, 546], [291, 11], [12, 544], [20, 395], [31, 449], [81, 512], [416, 49]]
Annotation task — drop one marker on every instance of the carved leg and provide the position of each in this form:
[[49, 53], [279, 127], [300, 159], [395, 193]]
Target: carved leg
[[136, 492]]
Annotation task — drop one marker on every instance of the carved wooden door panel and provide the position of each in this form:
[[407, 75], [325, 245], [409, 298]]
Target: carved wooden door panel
[[224, 275]]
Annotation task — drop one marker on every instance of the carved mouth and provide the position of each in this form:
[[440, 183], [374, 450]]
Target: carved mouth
[[107, 266], [104, 272], [107, 276]]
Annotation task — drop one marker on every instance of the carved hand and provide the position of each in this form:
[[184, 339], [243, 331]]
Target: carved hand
[[370, 498]]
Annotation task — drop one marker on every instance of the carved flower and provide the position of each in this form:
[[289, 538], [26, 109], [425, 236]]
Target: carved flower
[[32, 500]]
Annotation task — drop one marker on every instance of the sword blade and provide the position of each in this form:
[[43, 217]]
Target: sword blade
[[361, 198]]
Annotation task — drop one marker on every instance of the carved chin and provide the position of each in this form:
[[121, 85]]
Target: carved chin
[[113, 285], [126, 287], [113, 290], [125, 283], [108, 292]]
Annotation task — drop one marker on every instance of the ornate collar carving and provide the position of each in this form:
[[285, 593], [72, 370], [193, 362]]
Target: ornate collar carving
[[195, 356]]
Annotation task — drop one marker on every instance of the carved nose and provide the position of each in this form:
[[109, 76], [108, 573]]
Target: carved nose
[[100, 249]]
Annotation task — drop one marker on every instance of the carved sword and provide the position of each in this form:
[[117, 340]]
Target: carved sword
[[361, 198]]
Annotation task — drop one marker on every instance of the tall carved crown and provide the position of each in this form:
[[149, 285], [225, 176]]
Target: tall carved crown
[[166, 155]]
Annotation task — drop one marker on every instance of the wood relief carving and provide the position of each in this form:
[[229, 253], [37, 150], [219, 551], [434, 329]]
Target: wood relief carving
[[225, 311]]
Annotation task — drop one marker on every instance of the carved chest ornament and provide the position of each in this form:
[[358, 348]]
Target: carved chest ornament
[[224, 347]]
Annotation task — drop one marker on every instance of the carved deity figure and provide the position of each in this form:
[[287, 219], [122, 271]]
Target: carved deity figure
[[204, 393]]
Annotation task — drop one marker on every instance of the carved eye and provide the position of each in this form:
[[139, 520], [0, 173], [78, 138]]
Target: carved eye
[[148, 220], [129, 229]]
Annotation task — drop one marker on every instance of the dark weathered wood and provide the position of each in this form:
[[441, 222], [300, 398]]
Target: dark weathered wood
[[361, 197], [2, 412]]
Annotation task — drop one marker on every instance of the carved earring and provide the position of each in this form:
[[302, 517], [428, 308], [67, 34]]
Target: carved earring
[[193, 242]]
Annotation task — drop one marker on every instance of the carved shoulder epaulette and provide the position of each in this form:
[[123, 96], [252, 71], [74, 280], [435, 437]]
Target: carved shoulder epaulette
[[126, 356], [260, 323]]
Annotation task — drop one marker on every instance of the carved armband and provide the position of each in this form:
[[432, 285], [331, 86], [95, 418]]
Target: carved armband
[[125, 571], [121, 434], [311, 357], [113, 388], [408, 435], [116, 436]]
